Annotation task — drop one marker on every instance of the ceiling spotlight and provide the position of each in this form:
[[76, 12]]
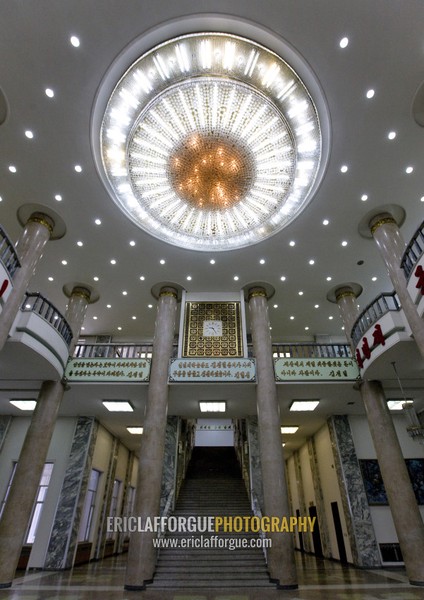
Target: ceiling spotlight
[[75, 41], [58, 197], [391, 135], [292, 243], [212, 261], [282, 278], [364, 197], [49, 92], [370, 93], [409, 169], [29, 134], [12, 168], [98, 222], [344, 168], [344, 42], [78, 168], [325, 222]]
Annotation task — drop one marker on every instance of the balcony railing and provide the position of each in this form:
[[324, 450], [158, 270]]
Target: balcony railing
[[413, 252], [311, 351], [116, 350], [8, 255], [372, 313], [35, 302]]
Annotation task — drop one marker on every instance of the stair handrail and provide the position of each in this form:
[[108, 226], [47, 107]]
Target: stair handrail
[[166, 512], [257, 512]]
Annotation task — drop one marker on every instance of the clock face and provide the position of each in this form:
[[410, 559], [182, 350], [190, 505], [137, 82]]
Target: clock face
[[212, 328]]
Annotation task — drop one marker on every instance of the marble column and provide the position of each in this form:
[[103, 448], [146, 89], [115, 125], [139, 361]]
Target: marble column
[[35, 236], [391, 245], [107, 500], [18, 508], [64, 536], [169, 475], [281, 563], [255, 460], [23, 490], [360, 529], [142, 554], [307, 542], [403, 505]]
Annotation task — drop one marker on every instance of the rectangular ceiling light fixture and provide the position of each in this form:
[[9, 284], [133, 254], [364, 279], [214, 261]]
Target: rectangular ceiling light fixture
[[212, 407], [304, 405], [135, 430], [24, 404], [117, 405], [396, 403], [292, 429]]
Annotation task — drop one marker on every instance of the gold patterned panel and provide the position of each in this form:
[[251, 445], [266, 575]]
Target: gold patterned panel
[[223, 320]]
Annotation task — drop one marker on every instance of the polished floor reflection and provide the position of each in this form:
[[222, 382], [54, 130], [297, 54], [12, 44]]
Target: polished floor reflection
[[318, 580]]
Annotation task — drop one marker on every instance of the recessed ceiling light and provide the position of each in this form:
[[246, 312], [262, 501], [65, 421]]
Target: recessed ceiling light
[[291, 318], [79, 243], [75, 41], [113, 261], [1, 199], [97, 222], [78, 168], [422, 198], [124, 293], [398, 404], [344, 42], [50, 278], [306, 328], [162, 261], [150, 306], [331, 318], [329, 278], [391, 135], [304, 405], [133, 317], [96, 278], [119, 328], [12, 168], [325, 222], [316, 306], [95, 318], [292, 243], [117, 406], [292, 429], [275, 305], [270, 327], [212, 261], [188, 277], [135, 430], [108, 305], [282, 278], [82, 328], [312, 262], [344, 243], [344, 168], [374, 278], [370, 93], [142, 278], [262, 261], [343, 328], [58, 197], [212, 406], [28, 306], [300, 293], [236, 277], [132, 243], [49, 92], [24, 404], [409, 169], [64, 262], [29, 134], [364, 197]]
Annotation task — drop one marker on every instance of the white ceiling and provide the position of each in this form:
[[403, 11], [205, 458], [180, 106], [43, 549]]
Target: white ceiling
[[385, 53]]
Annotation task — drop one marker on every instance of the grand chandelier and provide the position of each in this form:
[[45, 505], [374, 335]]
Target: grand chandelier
[[211, 142]]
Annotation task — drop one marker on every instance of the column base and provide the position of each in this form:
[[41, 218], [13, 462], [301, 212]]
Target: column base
[[5, 585], [280, 586], [419, 583]]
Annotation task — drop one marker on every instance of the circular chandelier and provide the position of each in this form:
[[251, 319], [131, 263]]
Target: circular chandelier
[[211, 142]]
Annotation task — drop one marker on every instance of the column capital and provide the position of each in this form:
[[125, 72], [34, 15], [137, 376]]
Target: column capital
[[81, 292], [376, 217], [256, 292], [168, 291], [79, 289], [344, 290], [44, 215]]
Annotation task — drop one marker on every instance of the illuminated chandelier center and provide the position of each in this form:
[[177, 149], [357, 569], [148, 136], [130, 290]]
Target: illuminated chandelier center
[[209, 172]]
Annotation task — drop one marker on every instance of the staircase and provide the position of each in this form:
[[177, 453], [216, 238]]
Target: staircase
[[213, 487]]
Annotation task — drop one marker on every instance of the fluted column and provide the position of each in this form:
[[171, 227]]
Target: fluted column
[[403, 504], [17, 512], [35, 236], [281, 563], [142, 555], [391, 245]]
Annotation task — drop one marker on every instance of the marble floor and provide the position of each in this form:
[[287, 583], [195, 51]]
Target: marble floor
[[318, 580]]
